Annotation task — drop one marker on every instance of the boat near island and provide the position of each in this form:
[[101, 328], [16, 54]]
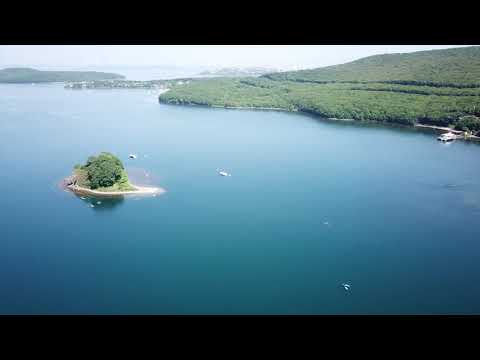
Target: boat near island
[[447, 137]]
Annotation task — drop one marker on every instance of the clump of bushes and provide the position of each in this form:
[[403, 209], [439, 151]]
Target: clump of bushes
[[468, 123]]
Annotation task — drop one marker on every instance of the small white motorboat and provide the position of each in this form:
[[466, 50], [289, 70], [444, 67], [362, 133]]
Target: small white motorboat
[[346, 286], [447, 137], [132, 156], [223, 173]]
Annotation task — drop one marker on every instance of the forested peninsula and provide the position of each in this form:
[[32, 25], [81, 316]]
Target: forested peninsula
[[436, 87]]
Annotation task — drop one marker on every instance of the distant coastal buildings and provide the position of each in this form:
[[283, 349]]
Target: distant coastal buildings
[[238, 72], [126, 84]]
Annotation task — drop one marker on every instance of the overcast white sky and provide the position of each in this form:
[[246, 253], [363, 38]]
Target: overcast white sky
[[287, 56]]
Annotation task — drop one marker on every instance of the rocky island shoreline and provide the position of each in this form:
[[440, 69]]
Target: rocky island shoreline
[[138, 190]]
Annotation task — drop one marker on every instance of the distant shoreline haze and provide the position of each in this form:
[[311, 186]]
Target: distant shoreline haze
[[288, 57], [29, 75]]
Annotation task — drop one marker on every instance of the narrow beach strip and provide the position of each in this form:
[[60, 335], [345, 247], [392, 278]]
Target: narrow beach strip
[[458, 132], [140, 190]]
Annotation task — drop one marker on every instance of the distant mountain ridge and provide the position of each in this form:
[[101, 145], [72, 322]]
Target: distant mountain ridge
[[238, 71], [447, 67], [29, 75]]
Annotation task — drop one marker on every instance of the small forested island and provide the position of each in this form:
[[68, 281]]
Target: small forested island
[[28, 75], [437, 88], [104, 175]]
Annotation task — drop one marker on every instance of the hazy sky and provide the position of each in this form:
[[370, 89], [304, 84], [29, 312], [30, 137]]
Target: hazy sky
[[77, 56]]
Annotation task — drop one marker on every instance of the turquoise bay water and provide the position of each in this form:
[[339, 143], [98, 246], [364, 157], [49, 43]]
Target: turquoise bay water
[[310, 205]]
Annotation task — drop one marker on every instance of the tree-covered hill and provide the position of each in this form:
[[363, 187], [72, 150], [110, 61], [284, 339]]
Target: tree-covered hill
[[398, 104], [447, 67], [438, 87], [27, 75]]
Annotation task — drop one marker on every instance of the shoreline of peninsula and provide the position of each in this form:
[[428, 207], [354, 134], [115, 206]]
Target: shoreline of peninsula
[[432, 128], [383, 88]]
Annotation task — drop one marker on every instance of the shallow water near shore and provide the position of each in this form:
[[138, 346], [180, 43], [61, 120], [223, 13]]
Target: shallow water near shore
[[310, 205]]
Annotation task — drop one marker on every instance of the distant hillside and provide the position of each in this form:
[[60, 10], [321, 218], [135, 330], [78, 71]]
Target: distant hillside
[[27, 75], [237, 72], [450, 67]]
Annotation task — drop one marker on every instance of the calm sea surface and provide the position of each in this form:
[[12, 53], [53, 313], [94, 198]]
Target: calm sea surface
[[310, 205]]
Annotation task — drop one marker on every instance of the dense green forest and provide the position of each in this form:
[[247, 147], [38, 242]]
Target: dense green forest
[[373, 91], [448, 67], [104, 172], [27, 75], [468, 123]]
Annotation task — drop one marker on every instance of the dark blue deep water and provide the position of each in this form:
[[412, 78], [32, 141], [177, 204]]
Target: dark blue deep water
[[310, 205]]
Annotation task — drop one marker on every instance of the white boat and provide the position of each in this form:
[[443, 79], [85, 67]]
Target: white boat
[[446, 137], [132, 156], [223, 173], [346, 286]]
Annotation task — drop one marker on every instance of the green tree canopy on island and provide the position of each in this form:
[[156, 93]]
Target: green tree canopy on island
[[103, 170]]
